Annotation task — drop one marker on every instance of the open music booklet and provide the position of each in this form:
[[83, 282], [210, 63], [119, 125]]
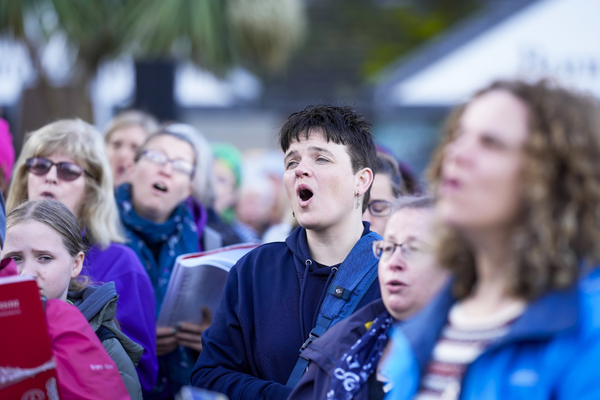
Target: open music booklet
[[197, 281]]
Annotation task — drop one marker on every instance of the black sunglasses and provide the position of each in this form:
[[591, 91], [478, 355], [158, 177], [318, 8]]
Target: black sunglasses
[[65, 171]]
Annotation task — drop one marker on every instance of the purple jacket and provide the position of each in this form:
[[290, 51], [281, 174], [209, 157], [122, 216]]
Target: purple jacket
[[135, 307], [199, 213]]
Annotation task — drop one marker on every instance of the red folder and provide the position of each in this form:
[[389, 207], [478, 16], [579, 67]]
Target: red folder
[[27, 368]]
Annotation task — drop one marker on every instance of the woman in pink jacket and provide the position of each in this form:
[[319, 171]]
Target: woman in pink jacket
[[53, 253]]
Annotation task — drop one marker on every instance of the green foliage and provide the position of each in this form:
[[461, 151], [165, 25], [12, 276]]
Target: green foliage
[[194, 29], [96, 28], [386, 33], [401, 29], [11, 17], [216, 34]]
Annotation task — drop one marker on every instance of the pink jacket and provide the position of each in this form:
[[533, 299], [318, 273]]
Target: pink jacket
[[7, 151], [83, 368], [8, 268]]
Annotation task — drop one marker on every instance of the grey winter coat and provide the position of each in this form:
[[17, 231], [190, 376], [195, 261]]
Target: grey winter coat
[[99, 304]]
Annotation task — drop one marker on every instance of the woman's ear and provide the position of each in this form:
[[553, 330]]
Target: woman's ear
[[77, 264], [364, 180]]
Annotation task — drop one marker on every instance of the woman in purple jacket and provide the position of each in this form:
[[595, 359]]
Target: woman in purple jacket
[[66, 161]]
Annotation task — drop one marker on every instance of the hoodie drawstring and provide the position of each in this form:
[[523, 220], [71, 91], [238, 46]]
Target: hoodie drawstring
[[308, 263]]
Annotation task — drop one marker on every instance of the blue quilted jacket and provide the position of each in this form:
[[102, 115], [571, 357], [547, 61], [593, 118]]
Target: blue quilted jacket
[[551, 352]]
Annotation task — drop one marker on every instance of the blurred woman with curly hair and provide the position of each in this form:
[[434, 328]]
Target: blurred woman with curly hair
[[517, 179]]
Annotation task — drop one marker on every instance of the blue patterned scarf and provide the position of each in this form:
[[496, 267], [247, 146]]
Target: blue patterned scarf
[[355, 367], [178, 236]]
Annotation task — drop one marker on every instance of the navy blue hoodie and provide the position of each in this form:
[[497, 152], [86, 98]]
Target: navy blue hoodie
[[265, 314]]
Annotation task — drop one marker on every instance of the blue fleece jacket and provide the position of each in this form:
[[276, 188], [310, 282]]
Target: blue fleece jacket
[[550, 352], [264, 316]]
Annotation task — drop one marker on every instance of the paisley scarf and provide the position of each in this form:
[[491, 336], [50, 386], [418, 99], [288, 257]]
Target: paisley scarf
[[360, 361]]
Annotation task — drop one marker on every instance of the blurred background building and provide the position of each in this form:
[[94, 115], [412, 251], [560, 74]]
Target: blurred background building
[[235, 69]]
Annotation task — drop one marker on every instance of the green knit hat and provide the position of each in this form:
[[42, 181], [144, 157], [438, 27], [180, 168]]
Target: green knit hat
[[229, 155]]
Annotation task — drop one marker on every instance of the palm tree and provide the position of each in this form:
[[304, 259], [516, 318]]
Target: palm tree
[[215, 34]]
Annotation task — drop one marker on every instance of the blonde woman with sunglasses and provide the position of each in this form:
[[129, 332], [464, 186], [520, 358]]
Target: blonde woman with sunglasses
[[66, 161]]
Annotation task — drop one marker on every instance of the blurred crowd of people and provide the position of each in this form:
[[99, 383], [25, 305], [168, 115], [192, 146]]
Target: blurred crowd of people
[[479, 284]]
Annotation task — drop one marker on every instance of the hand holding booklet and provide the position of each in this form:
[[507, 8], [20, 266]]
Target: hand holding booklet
[[197, 281]]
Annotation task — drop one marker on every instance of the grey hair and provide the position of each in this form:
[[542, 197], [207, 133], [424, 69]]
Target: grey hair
[[131, 118]]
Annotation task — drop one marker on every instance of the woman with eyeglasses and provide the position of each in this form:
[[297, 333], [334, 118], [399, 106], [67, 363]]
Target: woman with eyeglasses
[[388, 185], [160, 227], [213, 232], [347, 361], [66, 161]]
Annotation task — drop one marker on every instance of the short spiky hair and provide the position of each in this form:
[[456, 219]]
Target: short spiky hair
[[340, 125]]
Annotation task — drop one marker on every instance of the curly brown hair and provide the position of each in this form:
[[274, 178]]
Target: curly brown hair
[[560, 226]]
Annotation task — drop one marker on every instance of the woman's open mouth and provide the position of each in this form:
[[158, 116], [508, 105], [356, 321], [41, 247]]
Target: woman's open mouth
[[395, 286], [450, 186], [48, 195], [304, 194], [160, 187]]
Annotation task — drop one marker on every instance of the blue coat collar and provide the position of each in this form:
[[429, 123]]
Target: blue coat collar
[[554, 312]]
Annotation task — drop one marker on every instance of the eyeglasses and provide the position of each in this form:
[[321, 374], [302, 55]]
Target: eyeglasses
[[380, 208], [411, 250], [160, 158], [65, 171]]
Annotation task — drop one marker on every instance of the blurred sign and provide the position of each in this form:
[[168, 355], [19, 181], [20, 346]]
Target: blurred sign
[[195, 87], [557, 39]]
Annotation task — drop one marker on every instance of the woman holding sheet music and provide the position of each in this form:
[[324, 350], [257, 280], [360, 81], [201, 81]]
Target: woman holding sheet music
[[160, 227]]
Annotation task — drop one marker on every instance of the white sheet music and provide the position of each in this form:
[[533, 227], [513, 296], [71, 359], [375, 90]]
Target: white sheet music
[[198, 280]]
